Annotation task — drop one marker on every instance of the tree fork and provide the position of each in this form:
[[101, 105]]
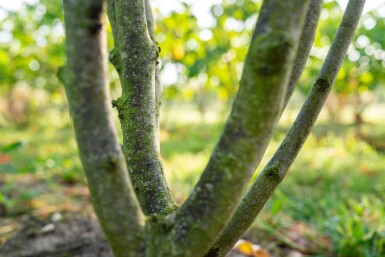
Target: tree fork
[[199, 228], [277, 168], [254, 116]]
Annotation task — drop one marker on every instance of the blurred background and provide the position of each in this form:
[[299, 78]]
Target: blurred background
[[332, 201]]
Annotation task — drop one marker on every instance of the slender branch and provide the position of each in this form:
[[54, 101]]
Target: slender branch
[[114, 56], [276, 169], [137, 109], [86, 86], [158, 86], [111, 13], [305, 45], [150, 19], [248, 130]]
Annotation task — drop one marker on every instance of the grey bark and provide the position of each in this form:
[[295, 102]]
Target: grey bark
[[85, 80], [137, 106], [254, 115], [272, 67], [305, 45], [277, 168], [158, 86]]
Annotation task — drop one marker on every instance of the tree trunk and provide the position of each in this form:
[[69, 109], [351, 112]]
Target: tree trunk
[[129, 193]]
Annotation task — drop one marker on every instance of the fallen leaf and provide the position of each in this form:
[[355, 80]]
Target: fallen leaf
[[261, 253], [249, 249], [245, 248]]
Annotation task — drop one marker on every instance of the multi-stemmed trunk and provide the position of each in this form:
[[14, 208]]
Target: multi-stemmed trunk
[[129, 191]]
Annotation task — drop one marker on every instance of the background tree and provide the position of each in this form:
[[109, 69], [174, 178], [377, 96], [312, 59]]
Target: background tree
[[31, 61], [129, 193]]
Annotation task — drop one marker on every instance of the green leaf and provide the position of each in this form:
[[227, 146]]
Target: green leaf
[[11, 147]]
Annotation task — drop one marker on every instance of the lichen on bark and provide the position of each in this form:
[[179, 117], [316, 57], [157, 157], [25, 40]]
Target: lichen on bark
[[248, 129], [205, 224], [275, 171], [87, 91], [137, 106]]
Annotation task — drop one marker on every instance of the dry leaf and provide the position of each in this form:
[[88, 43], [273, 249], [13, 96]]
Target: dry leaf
[[245, 248], [249, 249], [261, 253]]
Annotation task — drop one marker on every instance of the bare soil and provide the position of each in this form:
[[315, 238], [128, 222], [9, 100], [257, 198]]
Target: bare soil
[[75, 237], [81, 236]]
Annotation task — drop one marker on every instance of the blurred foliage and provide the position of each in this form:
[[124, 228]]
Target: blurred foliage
[[31, 49], [199, 63], [31, 46], [208, 60]]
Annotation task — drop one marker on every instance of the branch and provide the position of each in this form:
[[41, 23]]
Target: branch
[[137, 109], [248, 130], [150, 19], [276, 169], [114, 56], [158, 86], [86, 86], [305, 45]]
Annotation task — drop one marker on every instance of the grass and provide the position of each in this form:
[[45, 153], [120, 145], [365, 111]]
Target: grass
[[333, 197], [337, 187]]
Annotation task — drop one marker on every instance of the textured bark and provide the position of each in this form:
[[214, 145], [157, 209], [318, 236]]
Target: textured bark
[[305, 45], [253, 117], [115, 53], [137, 106], [85, 80], [276, 169], [158, 86], [199, 228], [114, 57]]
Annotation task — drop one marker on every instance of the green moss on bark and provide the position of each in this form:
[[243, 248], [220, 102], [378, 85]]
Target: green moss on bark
[[253, 117], [276, 169], [137, 107], [87, 91]]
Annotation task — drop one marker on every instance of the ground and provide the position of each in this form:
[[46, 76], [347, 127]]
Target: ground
[[75, 237], [331, 204], [82, 237]]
